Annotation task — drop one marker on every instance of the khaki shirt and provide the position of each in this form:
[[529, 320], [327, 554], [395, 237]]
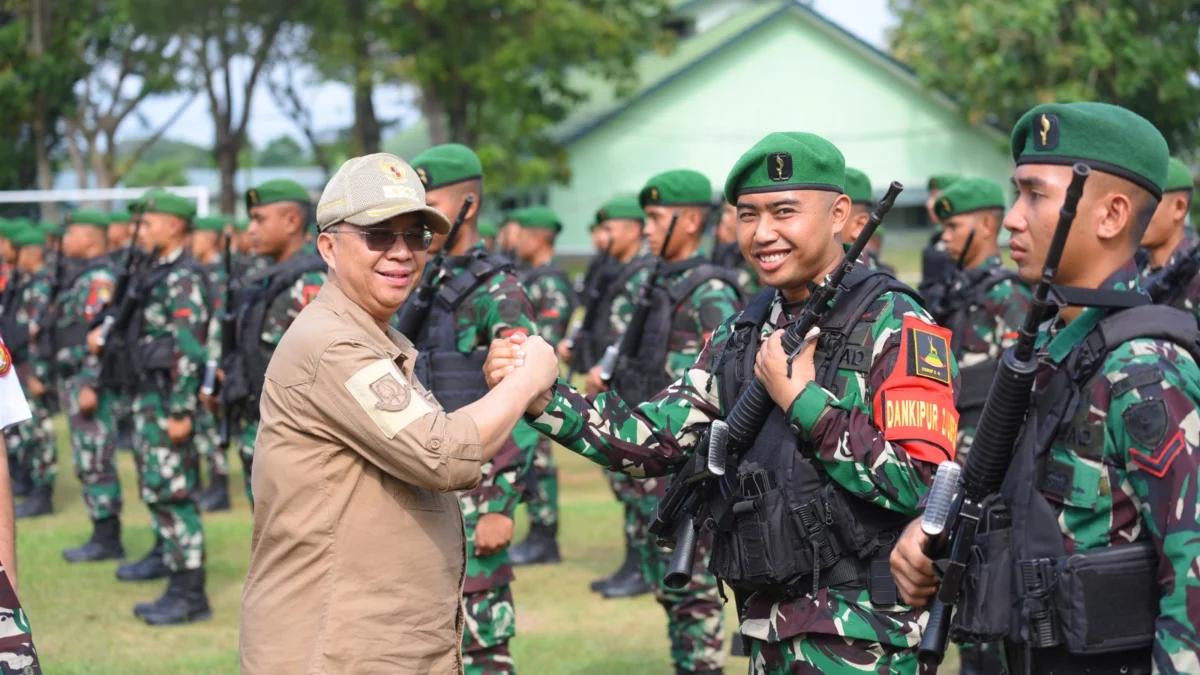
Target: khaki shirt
[[358, 552]]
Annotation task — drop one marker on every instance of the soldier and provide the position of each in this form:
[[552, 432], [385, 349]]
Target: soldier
[[479, 299], [935, 264], [1099, 492], [858, 189], [827, 442], [33, 445], [691, 299], [120, 230], [207, 235], [728, 253], [114, 404], [506, 237], [162, 345], [549, 289], [1170, 244], [267, 302], [984, 303], [487, 234]]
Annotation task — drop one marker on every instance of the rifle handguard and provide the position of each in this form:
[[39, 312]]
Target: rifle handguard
[[209, 384], [102, 337]]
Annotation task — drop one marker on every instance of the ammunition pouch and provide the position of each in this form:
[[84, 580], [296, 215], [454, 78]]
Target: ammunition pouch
[[985, 610], [976, 384], [455, 378], [236, 388], [638, 379]]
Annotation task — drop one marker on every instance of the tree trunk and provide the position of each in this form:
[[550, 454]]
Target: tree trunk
[[76, 156], [435, 118], [366, 124], [225, 152], [41, 131]]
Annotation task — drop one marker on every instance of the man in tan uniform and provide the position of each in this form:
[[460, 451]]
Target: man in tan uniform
[[358, 551]]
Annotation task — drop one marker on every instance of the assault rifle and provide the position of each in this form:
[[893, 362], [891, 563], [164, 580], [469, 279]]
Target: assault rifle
[[592, 295], [995, 438], [940, 308], [130, 300], [701, 494], [641, 312], [416, 309], [228, 323], [1165, 282]]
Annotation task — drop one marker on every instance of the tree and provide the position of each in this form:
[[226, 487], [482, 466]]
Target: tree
[[498, 74], [281, 151], [162, 173], [998, 58], [285, 83]]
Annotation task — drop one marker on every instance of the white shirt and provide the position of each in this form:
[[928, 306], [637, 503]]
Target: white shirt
[[13, 406]]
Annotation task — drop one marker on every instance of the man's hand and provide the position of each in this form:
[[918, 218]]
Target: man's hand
[[912, 570], [178, 430], [493, 532], [541, 364], [504, 356], [35, 386], [595, 385], [87, 400], [771, 368], [564, 352], [93, 341]]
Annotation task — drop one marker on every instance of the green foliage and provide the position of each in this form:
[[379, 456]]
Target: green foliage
[[998, 58], [282, 150], [190, 155], [166, 172]]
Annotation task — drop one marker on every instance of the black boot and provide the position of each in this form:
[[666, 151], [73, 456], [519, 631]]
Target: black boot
[[38, 503], [631, 585], [629, 566], [216, 496], [183, 602], [105, 543], [539, 548], [149, 567], [21, 485], [702, 671]]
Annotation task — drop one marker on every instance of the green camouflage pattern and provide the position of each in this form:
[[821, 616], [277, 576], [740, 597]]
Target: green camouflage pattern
[[33, 443], [821, 654], [18, 655], [553, 301], [490, 621], [207, 431], [1144, 484], [651, 439], [542, 500]]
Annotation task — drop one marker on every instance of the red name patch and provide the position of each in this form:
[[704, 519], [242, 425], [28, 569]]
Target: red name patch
[[915, 415], [1159, 463]]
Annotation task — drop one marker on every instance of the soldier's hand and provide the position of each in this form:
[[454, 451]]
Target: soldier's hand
[[771, 368], [504, 356], [912, 570], [87, 400], [93, 341], [493, 532], [210, 402], [178, 430], [35, 386], [595, 384], [564, 352], [541, 364]]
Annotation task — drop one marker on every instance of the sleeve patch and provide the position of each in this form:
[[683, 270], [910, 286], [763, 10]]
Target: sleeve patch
[[99, 295], [386, 396], [1159, 463], [922, 422], [552, 314], [309, 292], [1146, 422], [183, 312], [926, 350]]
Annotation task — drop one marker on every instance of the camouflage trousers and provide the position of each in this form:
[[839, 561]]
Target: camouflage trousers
[[249, 434], [208, 444], [167, 476], [33, 444], [491, 621], [93, 449], [542, 500], [694, 617], [18, 656], [821, 654]]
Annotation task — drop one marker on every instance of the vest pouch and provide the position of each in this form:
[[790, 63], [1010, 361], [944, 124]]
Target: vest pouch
[[984, 612], [157, 355], [1091, 584], [637, 380], [456, 378], [70, 336], [235, 388]]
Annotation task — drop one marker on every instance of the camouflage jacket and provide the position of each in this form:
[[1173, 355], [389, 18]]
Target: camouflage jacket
[[1187, 296], [31, 303], [179, 307], [842, 432], [989, 324], [90, 294], [553, 301], [1142, 483]]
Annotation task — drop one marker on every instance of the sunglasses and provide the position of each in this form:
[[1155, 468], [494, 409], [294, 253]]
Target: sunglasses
[[382, 241]]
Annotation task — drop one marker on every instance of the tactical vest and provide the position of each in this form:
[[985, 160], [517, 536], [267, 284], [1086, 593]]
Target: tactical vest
[[642, 374], [456, 379], [795, 530], [75, 331], [614, 284], [246, 368], [16, 334], [935, 266], [1092, 611], [976, 380]]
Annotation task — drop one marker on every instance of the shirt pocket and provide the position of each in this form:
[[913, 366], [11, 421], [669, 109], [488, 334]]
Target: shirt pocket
[[414, 498], [1071, 480]]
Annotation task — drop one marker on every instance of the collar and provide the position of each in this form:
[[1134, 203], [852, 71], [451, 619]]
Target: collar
[[1064, 338], [392, 342], [172, 256]]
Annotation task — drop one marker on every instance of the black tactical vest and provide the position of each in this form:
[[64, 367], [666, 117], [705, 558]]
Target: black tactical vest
[[74, 330], [1090, 612], [456, 379], [246, 368], [612, 284], [642, 374], [794, 529]]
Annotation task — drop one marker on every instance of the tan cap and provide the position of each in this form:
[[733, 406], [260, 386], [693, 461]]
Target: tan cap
[[369, 190]]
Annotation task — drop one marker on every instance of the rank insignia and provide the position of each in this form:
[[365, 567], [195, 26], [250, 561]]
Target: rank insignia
[[1045, 132]]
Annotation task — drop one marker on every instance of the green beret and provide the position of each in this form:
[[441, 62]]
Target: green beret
[[12, 228], [50, 229], [281, 190], [538, 218], [241, 224], [942, 181], [29, 236], [6, 228], [858, 187], [161, 201], [1179, 177], [447, 164], [487, 228], [783, 161], [1106, 137], [93, 217], [679, 187], [626, 207], [968, 196], [212, 223], [119, 217]]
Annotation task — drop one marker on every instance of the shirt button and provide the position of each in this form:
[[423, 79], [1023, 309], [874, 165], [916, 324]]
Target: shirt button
[[435, 443]]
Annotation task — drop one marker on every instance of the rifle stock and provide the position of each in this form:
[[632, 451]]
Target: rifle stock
[[416, 308]]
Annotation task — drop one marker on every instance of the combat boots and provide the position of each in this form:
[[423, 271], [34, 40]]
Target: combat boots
[[630, 585], [216, 496], [38, 503], [630, 566], [183, 602], [539, 548], [105, 543], [149, 567]]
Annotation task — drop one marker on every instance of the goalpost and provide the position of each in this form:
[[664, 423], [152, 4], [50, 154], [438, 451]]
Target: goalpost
[[199, 194]]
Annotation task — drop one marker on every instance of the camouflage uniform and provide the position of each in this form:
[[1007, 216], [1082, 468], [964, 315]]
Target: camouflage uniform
[[497, 308], [207, 437], [1187, 296], [18, 655], [837, 630], [552, 299], [33, 445]]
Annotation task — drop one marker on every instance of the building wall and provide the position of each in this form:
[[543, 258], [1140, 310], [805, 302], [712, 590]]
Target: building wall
[[787, 75]]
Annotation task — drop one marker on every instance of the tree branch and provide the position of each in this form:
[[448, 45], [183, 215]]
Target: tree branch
[[118, 174], [260, 58]]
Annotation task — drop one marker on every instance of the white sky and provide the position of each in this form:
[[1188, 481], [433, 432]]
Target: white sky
[[332, 105]]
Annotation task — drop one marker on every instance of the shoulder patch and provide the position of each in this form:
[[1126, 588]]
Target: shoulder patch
[[99, 295], [926, 350], [5, 359], [1158, 463], [386, 396], [1146, 422], [308, 293]]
